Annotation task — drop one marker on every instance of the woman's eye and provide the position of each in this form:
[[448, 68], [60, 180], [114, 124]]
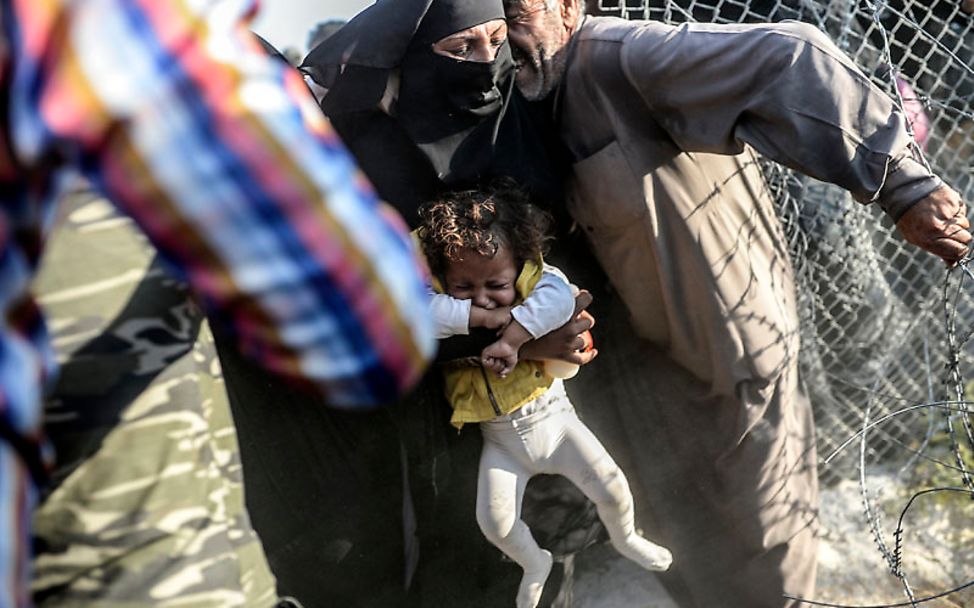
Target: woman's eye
[[459, 51], [497, 42]]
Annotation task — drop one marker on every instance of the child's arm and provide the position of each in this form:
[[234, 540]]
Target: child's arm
[[501, 356], [550, 305], [450, 315], [493, 318], [453, 317]]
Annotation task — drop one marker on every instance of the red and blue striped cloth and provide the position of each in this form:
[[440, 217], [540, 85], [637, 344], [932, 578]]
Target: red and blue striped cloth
[[223, 158]]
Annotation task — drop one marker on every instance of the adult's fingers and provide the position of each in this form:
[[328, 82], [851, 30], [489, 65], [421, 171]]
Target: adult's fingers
[[583, 321], [582, 300], [963, 222], [581, 357], [938, 223], [583, 341], [950, 251]]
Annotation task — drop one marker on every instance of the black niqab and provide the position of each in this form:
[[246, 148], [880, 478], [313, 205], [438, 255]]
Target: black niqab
[[449, 17], [454, 122], [452, 109]]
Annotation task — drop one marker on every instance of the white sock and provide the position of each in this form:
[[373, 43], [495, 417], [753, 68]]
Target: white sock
[[648, 555], [532, 582]]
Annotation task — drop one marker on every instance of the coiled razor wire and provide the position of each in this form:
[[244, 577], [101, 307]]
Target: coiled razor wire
[[881, 327]]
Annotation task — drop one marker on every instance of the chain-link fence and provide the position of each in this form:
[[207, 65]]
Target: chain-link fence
[[873, 330]]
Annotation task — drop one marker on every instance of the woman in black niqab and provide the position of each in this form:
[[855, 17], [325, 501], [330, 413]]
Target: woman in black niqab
[[452, 123], [417, 122]]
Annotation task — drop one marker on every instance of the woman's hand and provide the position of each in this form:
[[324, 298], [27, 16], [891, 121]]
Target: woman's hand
[[566, 342]]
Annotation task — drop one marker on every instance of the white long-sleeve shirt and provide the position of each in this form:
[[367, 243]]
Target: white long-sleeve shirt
[[549, 306]]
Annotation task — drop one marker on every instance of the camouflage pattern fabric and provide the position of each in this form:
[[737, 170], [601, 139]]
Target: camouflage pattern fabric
[[147, 506]]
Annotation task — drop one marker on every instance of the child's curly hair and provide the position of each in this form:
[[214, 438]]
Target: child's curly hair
[[482, 220]]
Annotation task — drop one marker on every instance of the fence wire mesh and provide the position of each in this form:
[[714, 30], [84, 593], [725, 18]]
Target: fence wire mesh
[[873, 331]]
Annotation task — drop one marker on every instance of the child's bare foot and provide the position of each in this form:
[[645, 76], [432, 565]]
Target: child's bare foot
[[532, 583], [648, 555]]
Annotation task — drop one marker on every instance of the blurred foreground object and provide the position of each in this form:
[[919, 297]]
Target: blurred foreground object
[[147, 503], [221, 157]]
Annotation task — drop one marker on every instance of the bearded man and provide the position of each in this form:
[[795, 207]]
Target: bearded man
[[705, 410]]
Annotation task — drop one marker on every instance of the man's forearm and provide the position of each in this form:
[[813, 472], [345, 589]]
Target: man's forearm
[[786, 90], [906, 184]]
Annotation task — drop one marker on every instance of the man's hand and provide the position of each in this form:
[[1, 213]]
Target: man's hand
[[566, 342], [938, 223]]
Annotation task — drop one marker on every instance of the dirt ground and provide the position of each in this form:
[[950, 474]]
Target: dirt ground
[[938, 553]]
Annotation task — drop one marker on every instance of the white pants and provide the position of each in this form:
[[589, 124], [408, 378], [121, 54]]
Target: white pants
[[545, 436]]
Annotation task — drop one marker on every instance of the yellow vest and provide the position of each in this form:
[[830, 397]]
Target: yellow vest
[[477, 394]]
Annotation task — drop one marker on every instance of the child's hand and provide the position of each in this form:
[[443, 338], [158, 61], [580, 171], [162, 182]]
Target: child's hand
[[499, 357], [494, 318]]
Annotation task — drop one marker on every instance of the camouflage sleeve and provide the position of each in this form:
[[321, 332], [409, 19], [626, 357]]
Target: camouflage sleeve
[[147, 508]]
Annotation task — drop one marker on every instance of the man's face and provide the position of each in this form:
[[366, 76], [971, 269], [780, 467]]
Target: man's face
[[537, 35]]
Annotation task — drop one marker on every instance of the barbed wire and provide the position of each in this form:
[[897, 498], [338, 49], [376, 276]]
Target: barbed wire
[[953, 383], [895, 558], [913, 602], [955, 379]]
